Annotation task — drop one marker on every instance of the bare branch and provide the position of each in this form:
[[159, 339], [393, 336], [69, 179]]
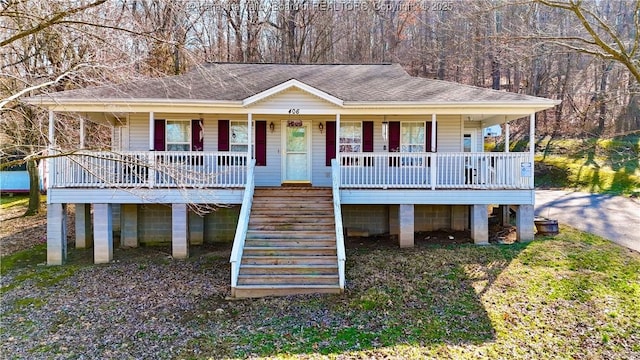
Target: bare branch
[[16, 95], [46, 23]]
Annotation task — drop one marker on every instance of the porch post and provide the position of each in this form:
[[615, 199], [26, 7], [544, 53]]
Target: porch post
[[56, 236], [84, 234], [507, 134], [532, 144], [524, 223], [152, 146], [338, 137], [103, 233], [249, 137], [82, 133], [179, 231], [51, 171], [433, 132], [406, 218], [480, 224], [151, 130]]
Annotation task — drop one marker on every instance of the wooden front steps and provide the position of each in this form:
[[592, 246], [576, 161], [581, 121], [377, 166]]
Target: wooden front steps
[[290, 246]]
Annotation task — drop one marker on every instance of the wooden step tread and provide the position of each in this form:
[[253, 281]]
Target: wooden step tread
[[280, 241], [315, 259], [280, 248], [255, 291], [287, 286], [291, 257], [275, 277], [290, 232], [290, 266]]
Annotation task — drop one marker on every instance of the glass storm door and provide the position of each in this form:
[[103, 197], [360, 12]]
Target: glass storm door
[[296, 159]]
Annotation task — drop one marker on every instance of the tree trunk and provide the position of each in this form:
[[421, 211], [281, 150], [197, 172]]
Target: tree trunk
[[34, 189], [602, 108]]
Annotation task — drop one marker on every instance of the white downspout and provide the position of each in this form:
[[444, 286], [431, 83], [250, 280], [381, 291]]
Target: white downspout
[[151, 131], [532, 144], [249, 138]]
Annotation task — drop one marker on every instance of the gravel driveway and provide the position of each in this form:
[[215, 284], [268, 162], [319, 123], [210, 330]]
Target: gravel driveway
[[613, 217]]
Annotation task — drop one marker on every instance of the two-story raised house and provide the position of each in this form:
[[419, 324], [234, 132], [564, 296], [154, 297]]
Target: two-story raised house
[[296, 153]]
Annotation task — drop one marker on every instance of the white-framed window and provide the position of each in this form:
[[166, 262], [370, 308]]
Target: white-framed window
[[350, 142], [350, 136], [412, 140], [467, 143], [238, 136], [412, 137], [469, 140], [178, 135]]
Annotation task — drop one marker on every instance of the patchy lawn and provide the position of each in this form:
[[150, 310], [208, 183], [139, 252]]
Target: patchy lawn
[[596, 165], [19, 233], [572, 296]]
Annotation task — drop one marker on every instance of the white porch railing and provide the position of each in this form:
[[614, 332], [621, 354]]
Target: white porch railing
[[342, 256], [243, 224], [162, 169], [435, 170]]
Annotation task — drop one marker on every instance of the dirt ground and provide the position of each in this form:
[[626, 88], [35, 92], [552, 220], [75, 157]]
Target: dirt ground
[[497, 235]]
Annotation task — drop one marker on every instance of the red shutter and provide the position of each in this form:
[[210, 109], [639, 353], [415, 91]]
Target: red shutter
[[261, 143], [223, 135], [394, 136], [367, 141], [367, 136], [330, 143], [394, 141], [197, 135], [428, 137], [159, 135]]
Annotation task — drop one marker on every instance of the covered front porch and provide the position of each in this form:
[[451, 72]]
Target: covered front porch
[[210, 170]]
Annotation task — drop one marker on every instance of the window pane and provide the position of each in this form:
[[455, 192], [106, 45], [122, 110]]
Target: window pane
[[178, 131], [178, 147], [413, 137], [350, 137], [238, 133], [467, 143], [296, 139], [241, 148]]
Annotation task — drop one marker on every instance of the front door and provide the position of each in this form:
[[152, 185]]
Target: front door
[[296, 159]]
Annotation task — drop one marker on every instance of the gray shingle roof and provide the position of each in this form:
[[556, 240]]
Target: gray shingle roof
[[236, 82]]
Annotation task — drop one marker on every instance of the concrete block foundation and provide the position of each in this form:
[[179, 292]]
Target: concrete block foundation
[[480, 224], [524, 223], [129, 226], [179, 231], [56, 234], [103, 233], [84, 229], [406, 221]]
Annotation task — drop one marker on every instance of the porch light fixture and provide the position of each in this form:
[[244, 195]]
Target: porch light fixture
[[385, 130], [272, 127], [321, 127]]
